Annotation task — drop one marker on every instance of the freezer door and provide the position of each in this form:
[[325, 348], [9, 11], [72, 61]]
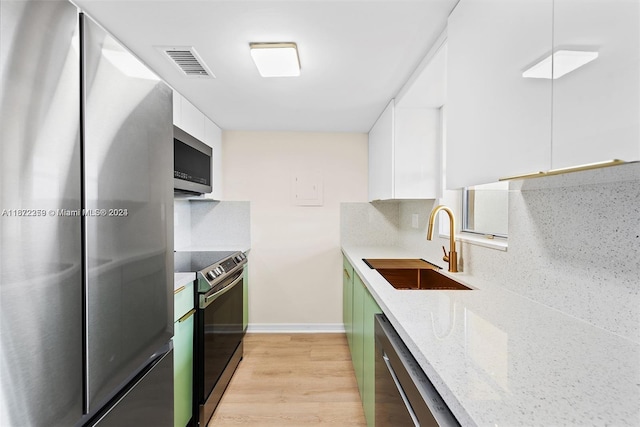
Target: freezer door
[[128, 147], [40, 241], [147, 402]]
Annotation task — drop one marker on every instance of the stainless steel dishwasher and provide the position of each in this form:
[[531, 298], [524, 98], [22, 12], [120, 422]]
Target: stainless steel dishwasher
[[404, 395]]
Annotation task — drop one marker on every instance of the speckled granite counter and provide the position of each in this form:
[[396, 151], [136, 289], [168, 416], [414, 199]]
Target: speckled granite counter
[[499, 359], [181, 279]]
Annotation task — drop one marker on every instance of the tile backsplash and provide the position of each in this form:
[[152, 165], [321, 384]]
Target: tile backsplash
[[369, 224], [574, 244], [211, 225]]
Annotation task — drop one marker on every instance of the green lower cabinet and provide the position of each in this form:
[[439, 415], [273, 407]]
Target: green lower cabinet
[[357, 350], [371, 308], [358, 311], [347, 300], [183, 369]]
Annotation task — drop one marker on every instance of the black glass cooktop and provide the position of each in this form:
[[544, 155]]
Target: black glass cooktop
[[192, 262]]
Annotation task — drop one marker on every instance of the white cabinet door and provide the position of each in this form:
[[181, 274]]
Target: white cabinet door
[[192, 120], [498, 123], [187, 117], [381, 156], [177, 109], [213, 138], [416, 159], [404, 155], [596, 108]]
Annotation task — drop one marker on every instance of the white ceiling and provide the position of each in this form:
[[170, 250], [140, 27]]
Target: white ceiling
[[355, 55]]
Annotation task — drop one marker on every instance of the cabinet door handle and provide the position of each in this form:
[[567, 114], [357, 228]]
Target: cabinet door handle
[[186, 316], [347, 273]]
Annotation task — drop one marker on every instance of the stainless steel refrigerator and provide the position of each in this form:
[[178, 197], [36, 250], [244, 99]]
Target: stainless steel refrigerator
[[86, 202]]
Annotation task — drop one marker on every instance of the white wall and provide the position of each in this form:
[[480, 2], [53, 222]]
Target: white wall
[[295, 259]]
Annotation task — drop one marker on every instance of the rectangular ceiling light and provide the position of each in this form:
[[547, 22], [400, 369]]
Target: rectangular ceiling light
[[276, 59], [563, 62]]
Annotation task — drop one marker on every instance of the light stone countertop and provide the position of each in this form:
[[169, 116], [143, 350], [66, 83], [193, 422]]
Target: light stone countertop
[[500, 359], [182, 279]]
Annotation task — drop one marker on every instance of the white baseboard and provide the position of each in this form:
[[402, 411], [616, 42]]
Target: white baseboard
[[293, 328]]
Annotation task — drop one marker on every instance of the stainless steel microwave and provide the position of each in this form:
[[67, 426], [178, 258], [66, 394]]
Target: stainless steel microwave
[[191, 164]]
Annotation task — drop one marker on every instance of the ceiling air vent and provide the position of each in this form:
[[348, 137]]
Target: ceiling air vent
[[188, 61]]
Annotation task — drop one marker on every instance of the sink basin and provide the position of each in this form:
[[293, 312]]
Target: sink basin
[[414, 274], [420, 278]]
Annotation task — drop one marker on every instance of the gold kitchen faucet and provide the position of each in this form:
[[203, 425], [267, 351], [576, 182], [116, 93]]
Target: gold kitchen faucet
[[452, 257]]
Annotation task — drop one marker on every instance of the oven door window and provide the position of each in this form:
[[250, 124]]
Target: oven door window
[[222, 326]]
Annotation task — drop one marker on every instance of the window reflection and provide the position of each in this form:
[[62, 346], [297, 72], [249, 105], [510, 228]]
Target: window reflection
[[487, 348], [486, 208]]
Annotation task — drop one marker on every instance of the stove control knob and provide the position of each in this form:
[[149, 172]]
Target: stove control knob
[[211, 275], [219, 270]]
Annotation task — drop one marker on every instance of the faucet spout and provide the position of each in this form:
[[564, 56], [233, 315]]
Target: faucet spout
[[452, 257]]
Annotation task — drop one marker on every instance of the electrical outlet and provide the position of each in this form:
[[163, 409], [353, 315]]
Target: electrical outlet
[[415, 218]]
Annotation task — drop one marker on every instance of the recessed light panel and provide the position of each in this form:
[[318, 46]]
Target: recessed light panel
[[563, 62], [276, 59]]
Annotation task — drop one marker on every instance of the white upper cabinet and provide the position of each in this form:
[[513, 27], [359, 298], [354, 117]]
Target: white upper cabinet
[[381, 156], [404, 153], [596, 108], [187, 117], [498, 123], [213, 138], [192, 120], [509, 115], [177, 109], [416, 160]]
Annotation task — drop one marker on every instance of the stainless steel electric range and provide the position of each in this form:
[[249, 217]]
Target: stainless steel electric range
[[219, 325]]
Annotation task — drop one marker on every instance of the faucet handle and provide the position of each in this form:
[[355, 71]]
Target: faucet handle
[[445, 258]]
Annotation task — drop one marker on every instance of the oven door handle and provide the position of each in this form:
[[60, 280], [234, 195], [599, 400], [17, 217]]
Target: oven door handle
[[206, 300]]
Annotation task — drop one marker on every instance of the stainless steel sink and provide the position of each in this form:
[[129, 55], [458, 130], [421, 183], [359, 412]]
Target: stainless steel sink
[[414, 274]]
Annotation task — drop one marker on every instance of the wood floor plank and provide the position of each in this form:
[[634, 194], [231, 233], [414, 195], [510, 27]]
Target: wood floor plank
[[292, 380]]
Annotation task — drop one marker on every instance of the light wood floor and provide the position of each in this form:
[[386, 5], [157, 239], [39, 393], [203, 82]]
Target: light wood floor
[[292, 380]]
